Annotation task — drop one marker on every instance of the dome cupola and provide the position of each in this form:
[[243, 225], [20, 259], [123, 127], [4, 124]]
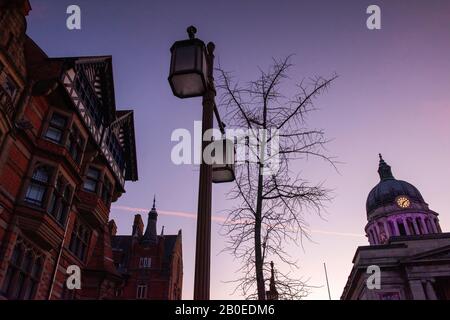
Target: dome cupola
[[397, 208], [391, 192]]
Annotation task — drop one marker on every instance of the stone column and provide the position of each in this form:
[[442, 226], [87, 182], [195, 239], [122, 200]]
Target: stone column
[[377, 233], [416, 227], [405, 224], [433, 224], [431, 295], [369, 235], [397, 232], [386, 229], [424, 226], [417, 290]]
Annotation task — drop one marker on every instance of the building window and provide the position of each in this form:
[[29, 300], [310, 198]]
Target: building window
[[75, 144], [389, 296], [106, 192], [60, 201], [145, 262], [141, 291], [8, 85], [92, 178], [38, 186], [79, 241], [56, 127], [116, 149], [22, 277]]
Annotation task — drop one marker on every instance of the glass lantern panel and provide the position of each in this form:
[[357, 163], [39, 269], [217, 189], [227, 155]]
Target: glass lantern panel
[[185, 59], [190, 84], [222, 173]]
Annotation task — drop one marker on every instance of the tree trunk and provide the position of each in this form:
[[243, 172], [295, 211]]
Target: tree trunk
[[258, 248]]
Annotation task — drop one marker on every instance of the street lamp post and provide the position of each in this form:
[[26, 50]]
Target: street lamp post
[[203, 240], [191, 75]]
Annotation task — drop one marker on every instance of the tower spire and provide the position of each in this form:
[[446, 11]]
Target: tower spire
[[384, 170], [272, 294], [150, 235]]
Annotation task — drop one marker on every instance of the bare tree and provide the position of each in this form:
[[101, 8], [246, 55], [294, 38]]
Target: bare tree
[[271, 206]]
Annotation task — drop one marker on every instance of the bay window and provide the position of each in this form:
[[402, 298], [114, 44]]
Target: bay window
[[60, 201], [106, 192], [75, 144], [79, 240], [92, 179], [23, 273], [56, 127], [38, 186]]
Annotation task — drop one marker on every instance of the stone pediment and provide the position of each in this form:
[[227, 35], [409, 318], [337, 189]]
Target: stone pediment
[[431, 255]]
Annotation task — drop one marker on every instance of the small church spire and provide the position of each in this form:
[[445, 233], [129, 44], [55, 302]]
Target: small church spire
[[384, 170], [150, 235], [272, 294]]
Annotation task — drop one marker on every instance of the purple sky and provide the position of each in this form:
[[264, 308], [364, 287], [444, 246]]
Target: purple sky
[[392, 97]]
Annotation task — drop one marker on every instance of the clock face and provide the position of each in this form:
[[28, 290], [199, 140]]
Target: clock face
[[403, 202]]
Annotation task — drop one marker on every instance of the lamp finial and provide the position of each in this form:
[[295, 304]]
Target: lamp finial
[[191, 30]]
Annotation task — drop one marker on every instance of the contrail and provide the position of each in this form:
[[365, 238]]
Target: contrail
[[189, 215]]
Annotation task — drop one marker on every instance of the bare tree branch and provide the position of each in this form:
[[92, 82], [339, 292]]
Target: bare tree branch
[[271, 209]]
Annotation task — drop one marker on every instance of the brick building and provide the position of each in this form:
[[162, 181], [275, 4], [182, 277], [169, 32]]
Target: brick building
[[150, 264], [65, 154]]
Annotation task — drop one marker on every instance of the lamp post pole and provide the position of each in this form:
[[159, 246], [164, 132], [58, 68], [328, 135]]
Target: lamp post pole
[[203, 240]]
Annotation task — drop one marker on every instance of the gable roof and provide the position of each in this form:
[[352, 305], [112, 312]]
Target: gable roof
[[97, 71]]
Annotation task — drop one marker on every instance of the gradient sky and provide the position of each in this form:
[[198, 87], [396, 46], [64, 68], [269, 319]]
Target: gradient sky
[[392, 96]]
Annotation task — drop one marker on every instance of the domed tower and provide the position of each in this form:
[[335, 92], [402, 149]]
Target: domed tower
[[396, 208]]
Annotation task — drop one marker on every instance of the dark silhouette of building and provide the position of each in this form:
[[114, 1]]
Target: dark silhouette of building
[[65, 154], [406, 244], [272, 294], [150, 264]]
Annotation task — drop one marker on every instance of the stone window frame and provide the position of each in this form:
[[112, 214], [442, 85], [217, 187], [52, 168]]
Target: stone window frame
[[56, 172], [145, 262], [21, 277], [79, 142], [47, 122], [141, 291], [97, 179], [62, 198], [10, 77], [391, 292], [104, 175], [45, 185], [71, 125], [107, 190], [77, 239]]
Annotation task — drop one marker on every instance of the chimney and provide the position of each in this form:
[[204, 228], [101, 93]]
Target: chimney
[[112, 228], [150, 236], [138, 226]]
